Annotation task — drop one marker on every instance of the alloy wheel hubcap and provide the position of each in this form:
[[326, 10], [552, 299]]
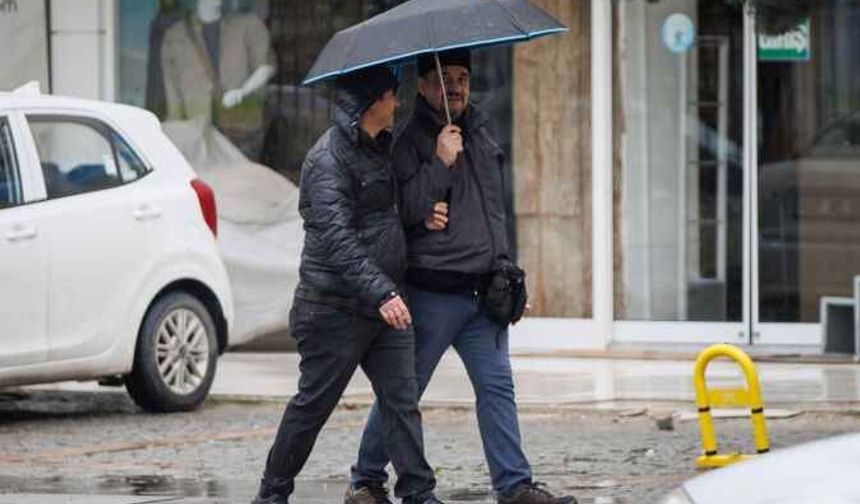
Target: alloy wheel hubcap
[[182, 351]]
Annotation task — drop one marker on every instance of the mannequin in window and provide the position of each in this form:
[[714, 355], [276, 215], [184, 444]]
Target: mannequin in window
[[216, 67]]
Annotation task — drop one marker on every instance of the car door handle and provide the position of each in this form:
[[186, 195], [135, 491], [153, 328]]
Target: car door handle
[[146, 212], [21, 233]]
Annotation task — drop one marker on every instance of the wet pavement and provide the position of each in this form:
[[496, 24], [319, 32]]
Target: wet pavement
[[589, 428], [58, 445]]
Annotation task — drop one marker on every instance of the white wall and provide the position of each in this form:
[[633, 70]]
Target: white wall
[[83, 48], [24, 39]]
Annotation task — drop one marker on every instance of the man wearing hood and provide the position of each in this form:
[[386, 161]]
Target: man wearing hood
[[451, 179], [348, 308]]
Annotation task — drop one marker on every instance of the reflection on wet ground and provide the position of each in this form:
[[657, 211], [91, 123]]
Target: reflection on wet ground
[[547, 381], [168, 489], [145, 489]]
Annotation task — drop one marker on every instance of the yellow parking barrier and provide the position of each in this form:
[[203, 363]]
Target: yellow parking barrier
[[716, 398]]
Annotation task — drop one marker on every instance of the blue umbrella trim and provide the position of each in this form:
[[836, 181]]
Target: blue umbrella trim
[[525, 36]]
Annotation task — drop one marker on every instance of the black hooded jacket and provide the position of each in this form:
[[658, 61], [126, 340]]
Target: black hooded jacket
[[475, 241], [354, 246]]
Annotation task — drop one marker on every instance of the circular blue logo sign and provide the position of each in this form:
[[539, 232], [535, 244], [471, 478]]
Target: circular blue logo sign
[[678, 33]]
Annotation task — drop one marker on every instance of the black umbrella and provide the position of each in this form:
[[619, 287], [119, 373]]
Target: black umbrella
[[430, 26]]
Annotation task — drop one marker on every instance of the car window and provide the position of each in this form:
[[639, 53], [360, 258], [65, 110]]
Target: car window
[[10, 177], [131, 167], [82, 155]]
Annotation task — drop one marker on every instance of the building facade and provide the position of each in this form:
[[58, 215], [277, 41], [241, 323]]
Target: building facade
[[682, 172]]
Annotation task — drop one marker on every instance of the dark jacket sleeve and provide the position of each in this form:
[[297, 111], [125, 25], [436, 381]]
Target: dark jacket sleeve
[[331, 210], [422, 184]]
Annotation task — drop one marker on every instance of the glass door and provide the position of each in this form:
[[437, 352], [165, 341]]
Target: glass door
[[807, 173], [679, 78]]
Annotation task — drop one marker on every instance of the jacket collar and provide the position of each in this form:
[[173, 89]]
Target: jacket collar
[[347, 112]]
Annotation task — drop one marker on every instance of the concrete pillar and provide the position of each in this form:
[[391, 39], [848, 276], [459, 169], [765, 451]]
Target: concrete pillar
[[82, 49], [552, 163]]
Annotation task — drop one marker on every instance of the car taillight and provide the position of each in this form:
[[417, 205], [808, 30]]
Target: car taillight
[[207, 204]]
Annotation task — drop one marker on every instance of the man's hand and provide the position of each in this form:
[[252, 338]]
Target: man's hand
[[449, 144], [439, 220], [395, 313]]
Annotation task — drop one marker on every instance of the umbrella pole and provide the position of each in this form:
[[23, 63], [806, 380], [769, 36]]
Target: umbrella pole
[[442, 83]]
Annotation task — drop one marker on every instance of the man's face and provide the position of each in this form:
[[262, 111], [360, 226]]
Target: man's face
[[457, 81], [383, 110]]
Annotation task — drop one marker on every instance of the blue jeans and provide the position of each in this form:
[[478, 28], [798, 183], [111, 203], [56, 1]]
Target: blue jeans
[[441, 321]]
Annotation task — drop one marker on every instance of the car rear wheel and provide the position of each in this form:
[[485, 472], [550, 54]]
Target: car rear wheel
[[176, 354]]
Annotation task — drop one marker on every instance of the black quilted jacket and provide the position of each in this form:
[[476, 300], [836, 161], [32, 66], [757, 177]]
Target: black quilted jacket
[[354, 242]]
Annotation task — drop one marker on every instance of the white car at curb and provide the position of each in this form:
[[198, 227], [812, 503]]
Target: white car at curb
[[820, 472], [108, 258]]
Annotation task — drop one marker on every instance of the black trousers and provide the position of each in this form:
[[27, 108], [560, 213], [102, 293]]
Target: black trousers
[[332, 343]]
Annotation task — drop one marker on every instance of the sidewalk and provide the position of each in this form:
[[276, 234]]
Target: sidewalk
[[554, 382], [557, 382]]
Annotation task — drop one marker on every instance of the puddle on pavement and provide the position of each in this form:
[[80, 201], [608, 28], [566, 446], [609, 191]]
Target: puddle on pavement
[[153, 485], [309, 492]]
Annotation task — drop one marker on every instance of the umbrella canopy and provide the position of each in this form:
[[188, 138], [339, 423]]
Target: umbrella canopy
[[426, 26]]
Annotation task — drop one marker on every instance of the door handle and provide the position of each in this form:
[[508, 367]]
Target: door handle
[[21, 233], [146, 212]]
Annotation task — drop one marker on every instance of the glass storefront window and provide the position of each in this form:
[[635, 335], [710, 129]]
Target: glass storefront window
[[678, 171], [809, 161], [180, 59]]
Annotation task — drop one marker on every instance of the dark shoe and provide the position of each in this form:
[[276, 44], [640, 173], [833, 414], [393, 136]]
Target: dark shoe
[[271, 499], [367, 495], [270, 494], [533, 493], [429, 500]]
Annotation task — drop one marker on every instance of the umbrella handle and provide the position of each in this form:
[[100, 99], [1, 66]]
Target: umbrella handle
[[442, 83]]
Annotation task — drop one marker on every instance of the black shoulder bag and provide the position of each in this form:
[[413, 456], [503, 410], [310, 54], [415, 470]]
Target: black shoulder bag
[[506, 296]]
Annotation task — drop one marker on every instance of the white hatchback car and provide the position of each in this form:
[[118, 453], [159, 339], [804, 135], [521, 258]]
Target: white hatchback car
[[108, 260], [818, 472]]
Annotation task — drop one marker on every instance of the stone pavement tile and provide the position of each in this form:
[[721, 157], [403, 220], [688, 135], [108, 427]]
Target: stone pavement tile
[[769, 413], [303, 497], [299, 498], [79, 499]]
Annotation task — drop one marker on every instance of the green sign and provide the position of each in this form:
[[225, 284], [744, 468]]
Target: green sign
[[792, 45]]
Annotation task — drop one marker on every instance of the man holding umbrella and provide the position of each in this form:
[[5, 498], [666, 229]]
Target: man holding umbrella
[[348, 310], [453, 209]]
